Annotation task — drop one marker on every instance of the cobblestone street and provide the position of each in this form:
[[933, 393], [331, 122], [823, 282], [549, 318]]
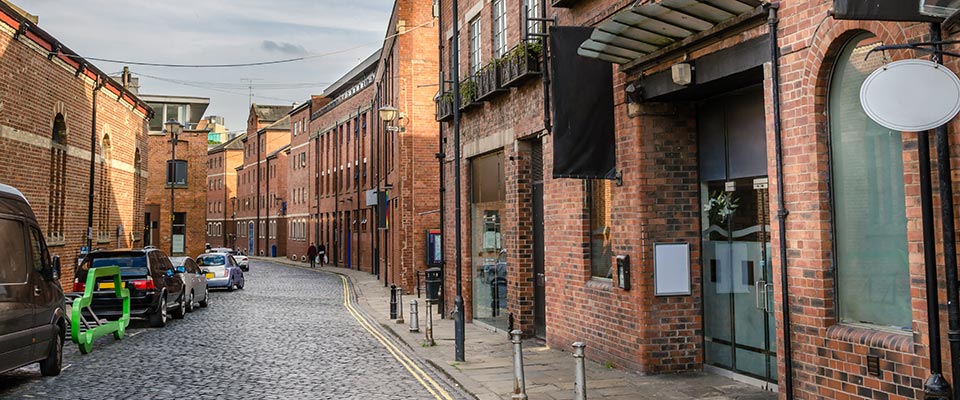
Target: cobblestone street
[[287, 334]]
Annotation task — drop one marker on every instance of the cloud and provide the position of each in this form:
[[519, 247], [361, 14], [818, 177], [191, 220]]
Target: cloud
[[283, 47]]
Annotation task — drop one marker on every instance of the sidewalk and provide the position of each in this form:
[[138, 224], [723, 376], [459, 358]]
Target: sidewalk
[[488, 371]]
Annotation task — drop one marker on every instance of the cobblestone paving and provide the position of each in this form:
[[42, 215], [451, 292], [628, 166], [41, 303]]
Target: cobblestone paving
[[286, 335]]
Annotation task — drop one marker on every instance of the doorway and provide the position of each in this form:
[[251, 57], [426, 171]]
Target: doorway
[[735, 235]]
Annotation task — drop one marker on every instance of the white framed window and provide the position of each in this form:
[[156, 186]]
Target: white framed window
[[499, 28], [533, 11], [475, 57]]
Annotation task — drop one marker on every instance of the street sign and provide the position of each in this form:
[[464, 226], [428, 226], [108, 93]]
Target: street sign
[[911, 95]]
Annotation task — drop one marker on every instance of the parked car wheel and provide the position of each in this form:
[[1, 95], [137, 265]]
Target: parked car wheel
[[181, 310], [190, 302], [159, 318], [231, 286], [240, 284], [206, 298], [52, 365]]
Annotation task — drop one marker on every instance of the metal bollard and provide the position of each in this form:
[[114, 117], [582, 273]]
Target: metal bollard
[[428, 337], [393, 301], [414, 317], [519, 383], [580, 374], [399, 305]]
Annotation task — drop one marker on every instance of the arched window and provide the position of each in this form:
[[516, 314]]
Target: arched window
[[869, 205], [106, 192], [58, 166]]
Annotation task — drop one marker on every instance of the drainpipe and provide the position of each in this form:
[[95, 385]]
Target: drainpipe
[[440, 158], [256, 228], [356, 180], [949, 235], [772, 22], [545, 69], [93, 165]]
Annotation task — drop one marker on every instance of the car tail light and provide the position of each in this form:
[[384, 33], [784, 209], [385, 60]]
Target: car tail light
[[143, 284], [79, 286]]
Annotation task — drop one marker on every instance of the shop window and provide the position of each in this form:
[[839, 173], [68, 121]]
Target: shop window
[[601, 249], [487, 209], [179, 232], [869, 203]]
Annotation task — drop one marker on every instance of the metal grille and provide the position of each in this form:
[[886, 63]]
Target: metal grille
[[536, 162]]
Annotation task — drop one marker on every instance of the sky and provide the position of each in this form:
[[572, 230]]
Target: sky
[[221, 32]]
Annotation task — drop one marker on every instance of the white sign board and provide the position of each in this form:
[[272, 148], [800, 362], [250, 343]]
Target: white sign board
[[911, 95], [671, 275]]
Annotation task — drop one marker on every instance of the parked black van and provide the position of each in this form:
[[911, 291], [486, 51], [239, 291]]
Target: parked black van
[[155, 290], [33, 320]]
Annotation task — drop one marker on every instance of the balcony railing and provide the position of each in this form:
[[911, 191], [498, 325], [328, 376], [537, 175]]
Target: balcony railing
[[520, 63], [563, 3], [468, 94], [488, 81], [445, 107]]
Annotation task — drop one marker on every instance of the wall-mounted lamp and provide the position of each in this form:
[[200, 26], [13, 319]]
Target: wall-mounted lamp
[[682, 73], [388, 114]]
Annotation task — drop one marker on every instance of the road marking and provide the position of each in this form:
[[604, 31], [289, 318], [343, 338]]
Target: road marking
[[65, 367], [419, 374]]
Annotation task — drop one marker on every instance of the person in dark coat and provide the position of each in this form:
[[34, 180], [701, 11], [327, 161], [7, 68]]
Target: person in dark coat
[[323, 254], [312, 255]]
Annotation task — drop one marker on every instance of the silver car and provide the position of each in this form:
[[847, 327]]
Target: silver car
[[194, 281], [242, 261]]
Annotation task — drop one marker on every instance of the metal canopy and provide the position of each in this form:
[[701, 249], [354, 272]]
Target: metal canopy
[[646, 28]]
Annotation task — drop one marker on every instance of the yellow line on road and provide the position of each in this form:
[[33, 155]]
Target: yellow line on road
[[419, 374]]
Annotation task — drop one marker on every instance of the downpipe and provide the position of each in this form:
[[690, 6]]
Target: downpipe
[[773, 21]]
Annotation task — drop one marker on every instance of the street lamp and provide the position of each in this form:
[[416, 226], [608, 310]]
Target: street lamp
[[388, 113], [174, 128]]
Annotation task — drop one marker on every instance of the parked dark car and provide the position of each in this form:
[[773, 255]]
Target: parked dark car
[[32, 310], [147, 273], [222, 271], [194, 281]]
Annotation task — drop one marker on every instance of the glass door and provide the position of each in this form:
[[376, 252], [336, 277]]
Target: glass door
[[738, 293]]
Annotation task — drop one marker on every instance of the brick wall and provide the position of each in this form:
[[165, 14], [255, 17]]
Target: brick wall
[[222, 175], [45, 87], [192, 199]]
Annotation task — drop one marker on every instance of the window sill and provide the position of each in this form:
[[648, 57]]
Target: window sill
[[58, 242], [873, 336], [169, 186], [600, 283]]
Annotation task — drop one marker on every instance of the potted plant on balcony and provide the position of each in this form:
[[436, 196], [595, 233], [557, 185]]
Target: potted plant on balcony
[[445, 106], [523, 61], [468, 94]]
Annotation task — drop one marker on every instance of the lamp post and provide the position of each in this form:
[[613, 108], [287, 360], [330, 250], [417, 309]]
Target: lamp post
[[387, 114], [174, 129]]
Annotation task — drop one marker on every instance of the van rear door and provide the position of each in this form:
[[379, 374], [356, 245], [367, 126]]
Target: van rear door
[[16, 296]]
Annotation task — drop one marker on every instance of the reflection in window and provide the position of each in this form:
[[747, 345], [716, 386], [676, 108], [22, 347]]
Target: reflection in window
[[487, 209], [870, 225], [601, 250]]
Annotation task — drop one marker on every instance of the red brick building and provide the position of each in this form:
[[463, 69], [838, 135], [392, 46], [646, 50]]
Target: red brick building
[[692, 200], [55, 108], [407, 168], [222, 163], [267, 132], [181, 231], [302, 179], [341, 127]]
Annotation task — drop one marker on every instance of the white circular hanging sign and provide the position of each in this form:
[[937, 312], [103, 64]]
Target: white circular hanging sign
[[911, 95]]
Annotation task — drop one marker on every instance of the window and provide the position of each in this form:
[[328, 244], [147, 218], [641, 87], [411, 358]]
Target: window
[[869, 204], [177, 173], [533, 11], [58, 165], [499, 28], [601, 250], [474, 55], [179, 232], [14, 254], [41, 259]]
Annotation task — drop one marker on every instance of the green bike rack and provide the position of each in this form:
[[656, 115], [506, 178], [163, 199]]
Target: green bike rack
[[84, 332]]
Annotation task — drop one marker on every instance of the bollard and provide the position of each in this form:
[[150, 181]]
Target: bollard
[[399, 305], [519, 384], [428, 337], [393, 301], [580, 375], [414, 317]]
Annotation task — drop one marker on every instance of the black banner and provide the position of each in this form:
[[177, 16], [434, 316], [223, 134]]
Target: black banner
[[880, 10], [584, 143]]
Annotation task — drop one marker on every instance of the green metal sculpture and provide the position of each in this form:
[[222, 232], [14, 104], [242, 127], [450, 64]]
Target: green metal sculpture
[[91, 331]]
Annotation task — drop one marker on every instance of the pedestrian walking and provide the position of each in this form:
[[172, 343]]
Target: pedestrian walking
[[322, 251], [312, 255]]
